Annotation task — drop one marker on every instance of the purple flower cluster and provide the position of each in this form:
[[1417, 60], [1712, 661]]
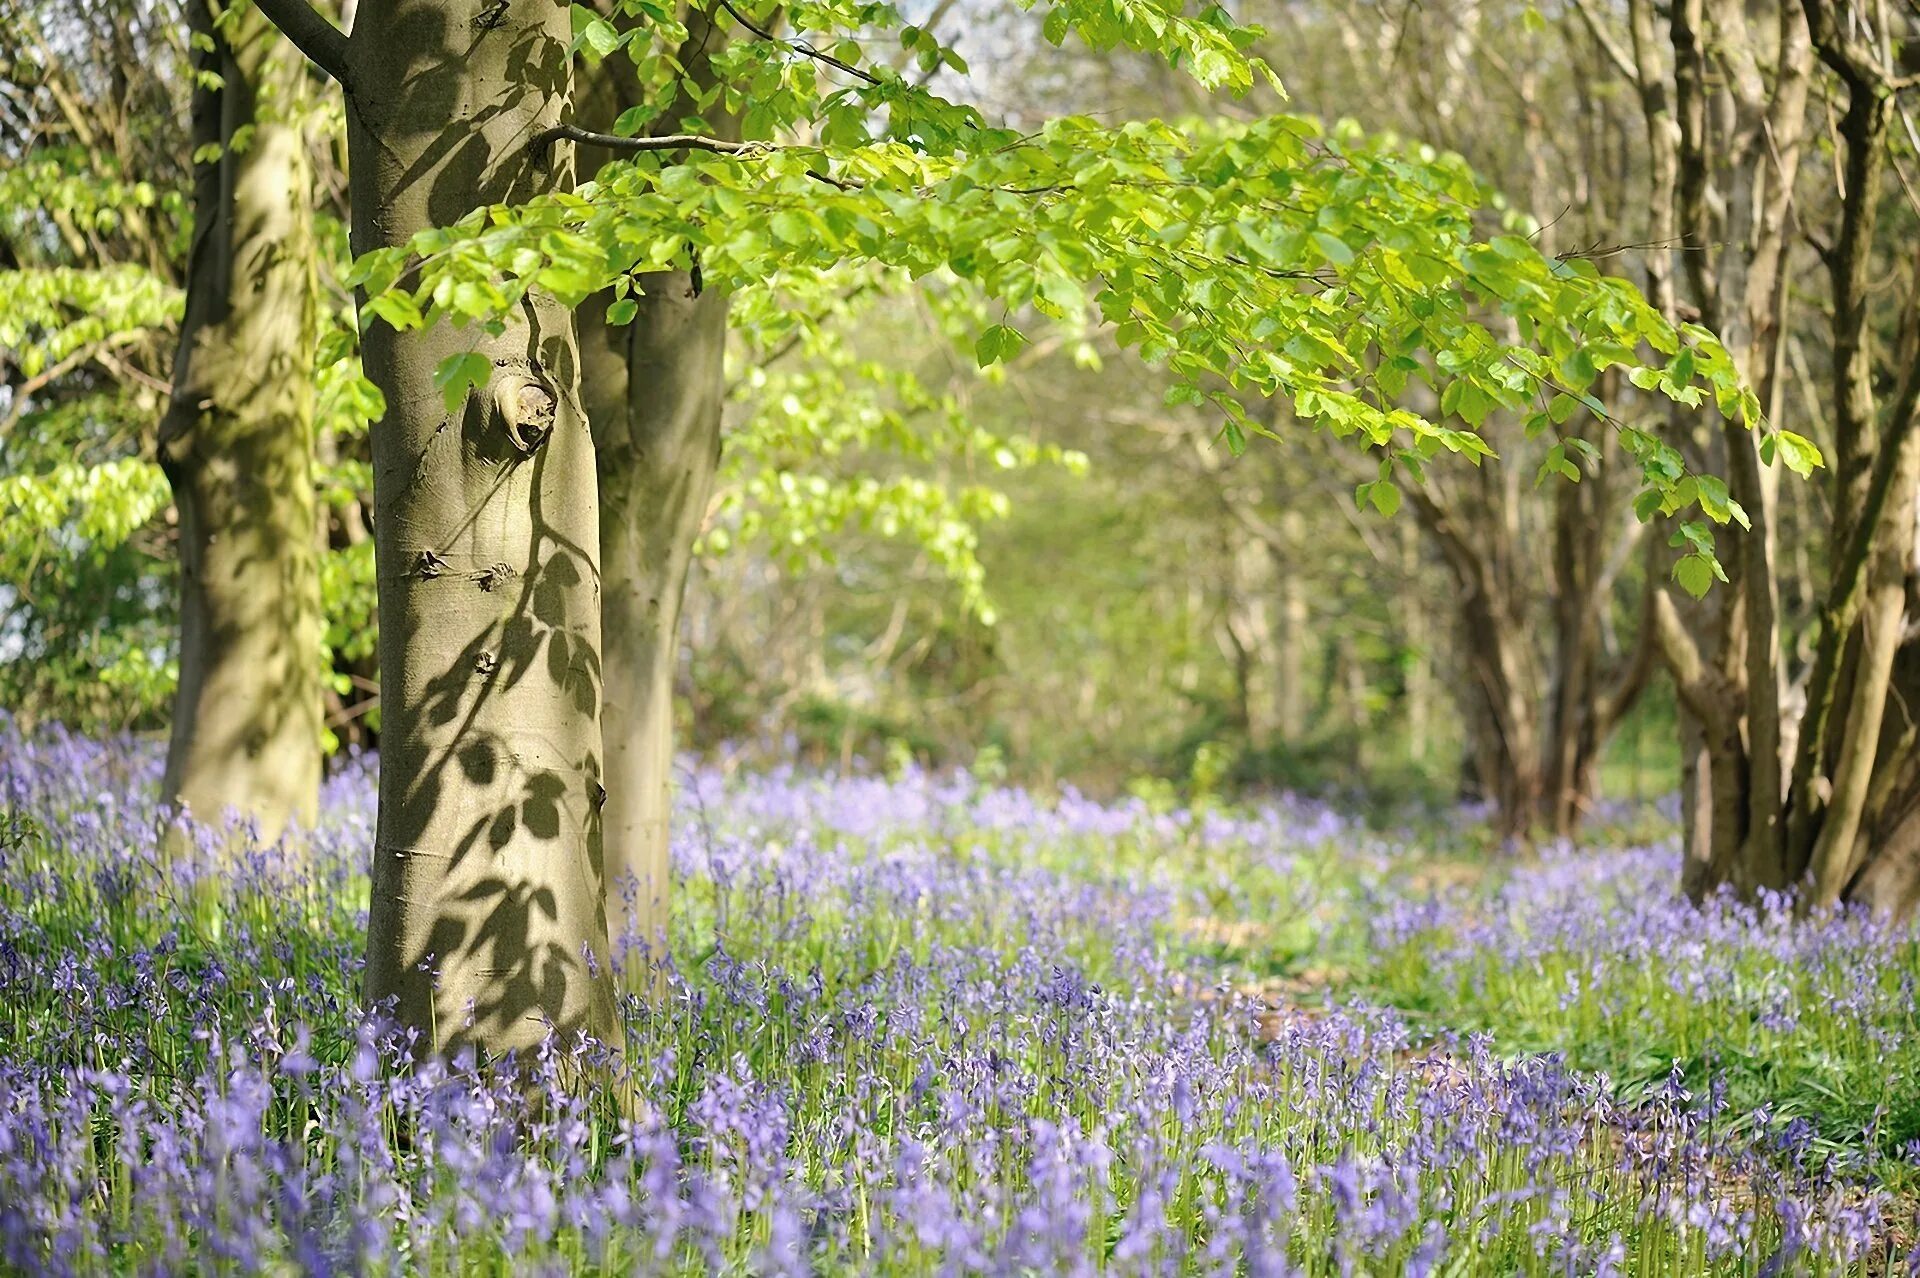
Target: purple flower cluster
[[919, 1026]]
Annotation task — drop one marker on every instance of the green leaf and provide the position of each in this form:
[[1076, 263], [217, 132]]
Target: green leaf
[[600, 37], [1801, 455], [458, 374], [1557, 462], [790, 227], [997, 344], [1695, 573], [1385, 496], [622, 311], [632, 120], [1334, 248]]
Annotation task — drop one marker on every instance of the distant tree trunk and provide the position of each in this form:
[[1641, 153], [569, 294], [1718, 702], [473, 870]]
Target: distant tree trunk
[[486, 925], [1538, 714], [1290, 676], [237, 444], [1250, 638], [1839, 825], [1416, 629], [1498, 705]]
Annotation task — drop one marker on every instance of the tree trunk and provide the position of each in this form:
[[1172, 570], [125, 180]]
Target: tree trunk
[[1888, 850], [1415, 629], [1249, 638], [654, 390], [237, 445], [1296, 622], [487, 926]]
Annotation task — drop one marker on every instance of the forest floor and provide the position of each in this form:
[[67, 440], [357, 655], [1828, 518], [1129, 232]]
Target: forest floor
[[929, 1024]]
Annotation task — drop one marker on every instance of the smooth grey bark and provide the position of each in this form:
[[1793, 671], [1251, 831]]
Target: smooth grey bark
[[237, 444], [486, 925], [654, 391]]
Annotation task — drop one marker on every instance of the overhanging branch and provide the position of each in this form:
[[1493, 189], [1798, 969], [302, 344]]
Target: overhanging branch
[[543, 142], [1700, 687], [541, 147], [324, 44]]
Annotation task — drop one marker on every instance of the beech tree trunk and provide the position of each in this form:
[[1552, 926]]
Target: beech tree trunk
[[486, 925], [654, 391], [237, 444]]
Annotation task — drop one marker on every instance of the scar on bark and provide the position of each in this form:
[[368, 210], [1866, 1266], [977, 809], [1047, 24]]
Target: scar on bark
[[527, 408]]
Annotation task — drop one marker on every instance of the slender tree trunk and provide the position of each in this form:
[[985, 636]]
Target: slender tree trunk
[[1417, 630], [654, 391], [1888, 850], [1571, 695], [1290, 676], [237, 444], [487, 926], [1249, 631]]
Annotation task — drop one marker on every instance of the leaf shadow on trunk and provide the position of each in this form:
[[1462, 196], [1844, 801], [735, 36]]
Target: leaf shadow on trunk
[[487, 924]]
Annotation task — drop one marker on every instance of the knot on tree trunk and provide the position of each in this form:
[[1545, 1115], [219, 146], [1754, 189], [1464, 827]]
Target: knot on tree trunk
[[527, 407]]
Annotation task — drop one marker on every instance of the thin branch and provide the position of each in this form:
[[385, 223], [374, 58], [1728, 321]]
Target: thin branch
[[543, 142], [798, 46], [1617, 54]]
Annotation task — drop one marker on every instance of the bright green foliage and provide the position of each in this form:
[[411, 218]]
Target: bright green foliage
[[83, 590], [344, 409], [49, 317], [88, 310], [1268, 259], [63, 191], [90, 534], [86, 595], [831, 406], [84, 506], [821, 73]]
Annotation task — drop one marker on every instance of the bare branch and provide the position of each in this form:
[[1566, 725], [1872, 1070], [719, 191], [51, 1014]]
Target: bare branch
[[798, 46], [543, 142], [1610, 45], [324, 44]]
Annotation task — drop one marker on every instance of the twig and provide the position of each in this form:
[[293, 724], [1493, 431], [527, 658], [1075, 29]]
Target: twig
[[798, 46]]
